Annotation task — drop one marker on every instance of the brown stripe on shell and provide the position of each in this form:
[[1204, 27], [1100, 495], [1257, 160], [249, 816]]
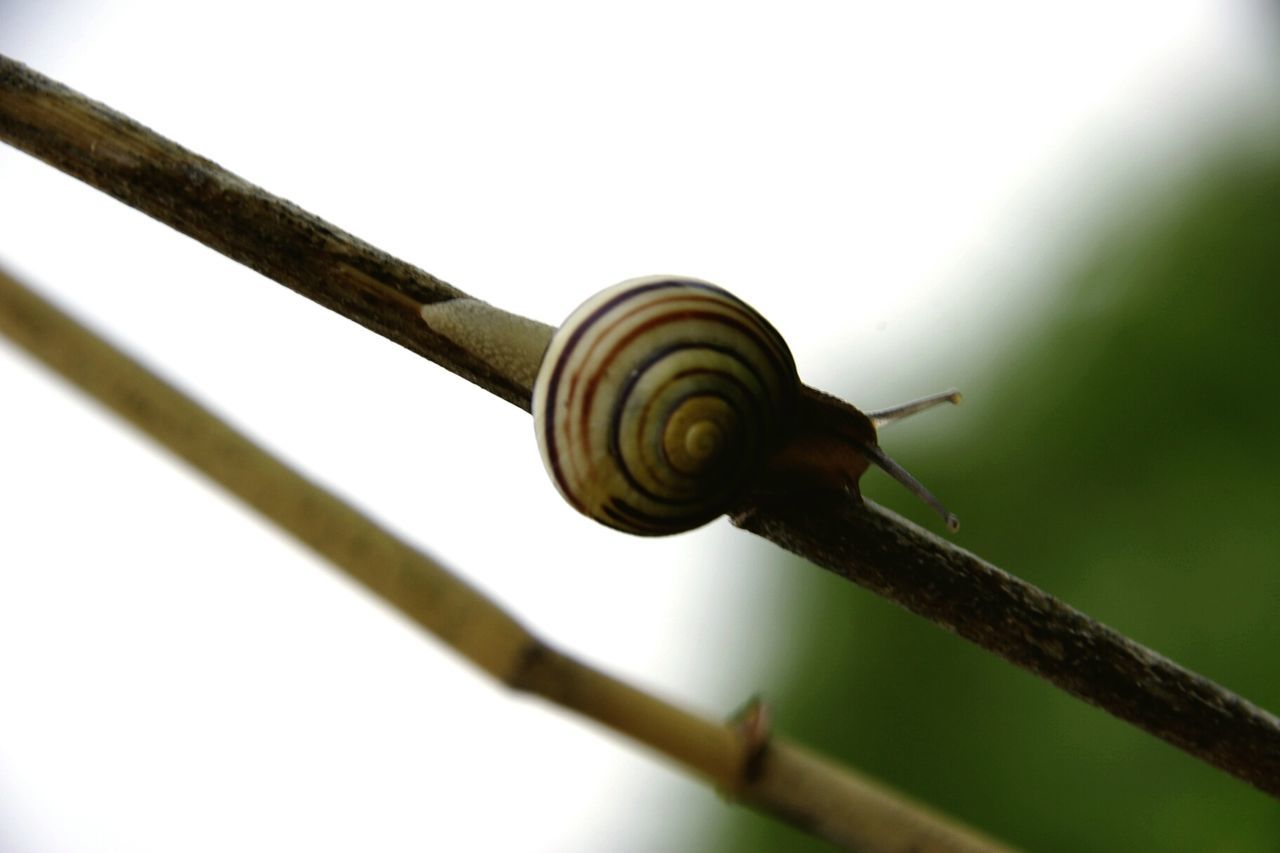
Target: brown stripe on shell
[[628, 518], [582, 460], [580, 328], [783, 367], [595, 340], [584, 455], [616, 419]]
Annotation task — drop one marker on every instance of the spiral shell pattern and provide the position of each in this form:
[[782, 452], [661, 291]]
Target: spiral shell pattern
[[656, 399]]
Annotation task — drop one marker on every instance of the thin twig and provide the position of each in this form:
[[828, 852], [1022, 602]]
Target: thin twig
[[865, 544], [264, 232], [741, 760]]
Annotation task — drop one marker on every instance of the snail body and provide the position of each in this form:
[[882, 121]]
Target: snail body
[[664, 402]]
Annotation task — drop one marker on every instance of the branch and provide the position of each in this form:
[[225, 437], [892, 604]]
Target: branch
[[1021, 623], [739, 757], [225, 212], [865, 544]]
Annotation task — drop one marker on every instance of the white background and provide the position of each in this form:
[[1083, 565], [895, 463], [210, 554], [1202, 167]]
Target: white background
[[887, 182]]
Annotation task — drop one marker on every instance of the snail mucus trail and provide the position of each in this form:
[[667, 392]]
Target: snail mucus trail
[[664, 402]]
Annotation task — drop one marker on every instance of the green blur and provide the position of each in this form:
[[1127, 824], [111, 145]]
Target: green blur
[[1126, 458]]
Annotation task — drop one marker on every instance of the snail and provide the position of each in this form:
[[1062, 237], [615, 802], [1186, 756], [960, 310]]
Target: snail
[[664, 402]]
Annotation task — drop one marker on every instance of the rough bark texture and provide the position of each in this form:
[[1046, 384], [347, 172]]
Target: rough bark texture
[[244, 222], [1026, 626]]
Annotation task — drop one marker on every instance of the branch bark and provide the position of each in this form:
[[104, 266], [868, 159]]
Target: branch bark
[[246, 223], [740, 759], [865, 544]]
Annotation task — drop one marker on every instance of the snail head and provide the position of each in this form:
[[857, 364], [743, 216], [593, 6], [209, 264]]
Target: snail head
[[831, 444]]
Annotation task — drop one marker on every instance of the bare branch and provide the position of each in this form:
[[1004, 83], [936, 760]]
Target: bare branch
[[947, 585], [867, 545], [246, 223], [767, 773]]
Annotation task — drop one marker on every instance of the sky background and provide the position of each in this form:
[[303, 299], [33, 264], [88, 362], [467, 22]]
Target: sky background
[[889, 186]]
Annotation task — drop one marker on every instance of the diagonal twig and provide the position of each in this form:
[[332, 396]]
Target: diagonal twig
[[739, 758], [865, 544]]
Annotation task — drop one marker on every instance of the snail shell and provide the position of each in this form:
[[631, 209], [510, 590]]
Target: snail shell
[[657, 399]]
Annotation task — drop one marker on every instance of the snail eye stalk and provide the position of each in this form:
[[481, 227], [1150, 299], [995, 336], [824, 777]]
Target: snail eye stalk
[[882, 461], [897, 413]]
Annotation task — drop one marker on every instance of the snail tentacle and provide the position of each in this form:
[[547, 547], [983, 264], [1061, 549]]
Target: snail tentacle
[[882, 417]]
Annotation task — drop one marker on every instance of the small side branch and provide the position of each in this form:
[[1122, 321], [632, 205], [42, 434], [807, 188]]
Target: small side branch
[[930, 577], [768, 774]]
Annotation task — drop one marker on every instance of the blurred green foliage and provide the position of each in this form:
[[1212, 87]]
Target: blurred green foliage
[[1126, 458]]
